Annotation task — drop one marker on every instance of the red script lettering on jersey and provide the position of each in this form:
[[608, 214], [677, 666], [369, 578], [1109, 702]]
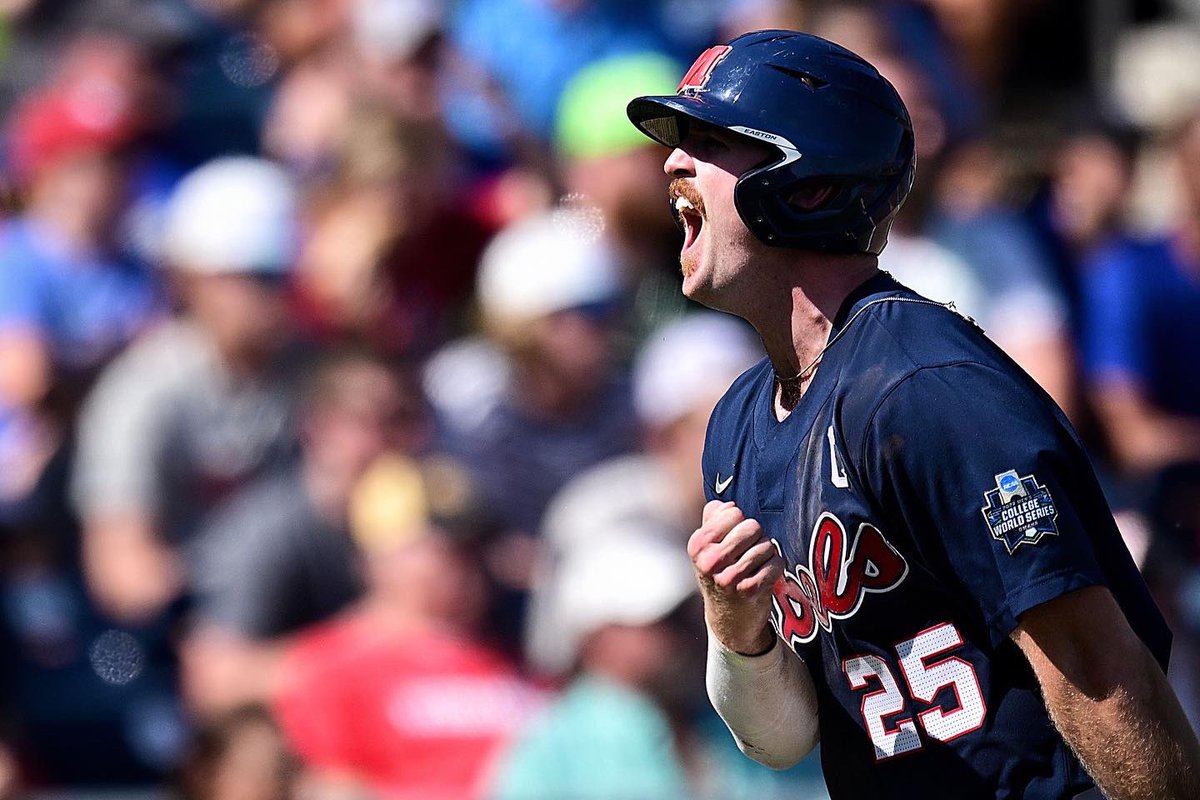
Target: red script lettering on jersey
[[836, 579]]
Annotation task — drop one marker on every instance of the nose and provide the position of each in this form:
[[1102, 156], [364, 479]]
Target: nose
[[679, 164]]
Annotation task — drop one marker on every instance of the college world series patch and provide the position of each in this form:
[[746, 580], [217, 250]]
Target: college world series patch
[[1019, 510]]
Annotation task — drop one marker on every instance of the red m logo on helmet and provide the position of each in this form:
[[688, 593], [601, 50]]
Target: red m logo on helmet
[[697, 77]]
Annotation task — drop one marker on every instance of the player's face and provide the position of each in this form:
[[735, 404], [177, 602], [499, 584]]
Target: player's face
[[717, 245]]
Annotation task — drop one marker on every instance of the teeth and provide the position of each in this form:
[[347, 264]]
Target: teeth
[[682, 202]]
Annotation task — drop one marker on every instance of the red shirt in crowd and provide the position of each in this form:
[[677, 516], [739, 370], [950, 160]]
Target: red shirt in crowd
[[416, 714]]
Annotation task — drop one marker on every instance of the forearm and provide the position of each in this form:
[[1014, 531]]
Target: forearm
[[222, 669], [130, 572], [1134, 740], [768, 702], [1109, 698]]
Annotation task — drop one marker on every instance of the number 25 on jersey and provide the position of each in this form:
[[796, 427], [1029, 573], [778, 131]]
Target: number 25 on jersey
[[925, 676]]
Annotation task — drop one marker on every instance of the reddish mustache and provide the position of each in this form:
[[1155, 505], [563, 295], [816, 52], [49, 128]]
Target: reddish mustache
[[681, 188]]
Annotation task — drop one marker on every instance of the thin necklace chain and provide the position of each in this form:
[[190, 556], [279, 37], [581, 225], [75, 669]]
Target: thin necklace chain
[[804, 373]]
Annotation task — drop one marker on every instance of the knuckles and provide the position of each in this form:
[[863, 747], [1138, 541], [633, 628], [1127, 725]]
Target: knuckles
[[707, 561]]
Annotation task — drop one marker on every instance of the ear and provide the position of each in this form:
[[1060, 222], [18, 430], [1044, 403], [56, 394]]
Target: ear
[[812, 196]]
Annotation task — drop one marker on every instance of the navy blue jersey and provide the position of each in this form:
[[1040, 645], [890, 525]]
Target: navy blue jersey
[[924, 494]]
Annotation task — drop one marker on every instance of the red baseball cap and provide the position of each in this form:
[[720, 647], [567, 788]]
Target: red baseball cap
[[88, 116]]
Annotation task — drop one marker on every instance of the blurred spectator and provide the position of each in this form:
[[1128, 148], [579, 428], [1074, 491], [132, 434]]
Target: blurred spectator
[[544, 395], [1024, 311], [70, 294], [308, 117], [201, 406], [278, 556], [41, 41], [547, 397], [401, 54], [611, 733], [605, 166], [1085, 199], [402, 693], [633, 721], [241, 756], [682, 370], [91, 703], [1142, 332], [394, 240]]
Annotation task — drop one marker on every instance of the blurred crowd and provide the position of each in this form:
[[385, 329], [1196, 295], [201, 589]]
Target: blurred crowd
[[350, 414]]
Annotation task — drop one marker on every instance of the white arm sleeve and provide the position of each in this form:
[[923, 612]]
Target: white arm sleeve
[[768, 702]]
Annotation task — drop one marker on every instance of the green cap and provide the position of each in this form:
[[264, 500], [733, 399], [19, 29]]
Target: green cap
[[591, 120]]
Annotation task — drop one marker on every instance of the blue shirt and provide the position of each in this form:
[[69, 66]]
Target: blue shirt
[[534, 47], [924, 494], [86, 306], [1141, 321]]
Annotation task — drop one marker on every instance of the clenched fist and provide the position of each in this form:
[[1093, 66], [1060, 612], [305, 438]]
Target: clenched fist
[[736, 565]]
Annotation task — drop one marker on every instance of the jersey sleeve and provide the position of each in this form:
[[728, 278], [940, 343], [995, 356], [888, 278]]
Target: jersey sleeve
[[992, 488]]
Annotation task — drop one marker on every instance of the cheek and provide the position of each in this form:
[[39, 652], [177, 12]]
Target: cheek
[[728, 230]]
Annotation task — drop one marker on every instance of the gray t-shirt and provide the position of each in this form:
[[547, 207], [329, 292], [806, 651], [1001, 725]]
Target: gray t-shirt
[[268, 563], [168, 431]]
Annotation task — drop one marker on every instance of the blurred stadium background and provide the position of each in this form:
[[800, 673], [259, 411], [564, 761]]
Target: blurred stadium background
[[350, 415]]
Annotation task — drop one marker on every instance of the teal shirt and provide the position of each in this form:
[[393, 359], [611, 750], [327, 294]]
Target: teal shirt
[[600, 741]]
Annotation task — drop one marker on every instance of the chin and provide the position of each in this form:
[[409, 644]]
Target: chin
[[699, 291]]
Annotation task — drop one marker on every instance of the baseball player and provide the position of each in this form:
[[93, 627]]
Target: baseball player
[[891, 499]]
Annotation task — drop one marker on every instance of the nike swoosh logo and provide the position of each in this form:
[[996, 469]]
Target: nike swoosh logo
[[722, 485]]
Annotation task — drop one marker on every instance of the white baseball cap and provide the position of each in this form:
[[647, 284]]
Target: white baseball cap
[[547, 263], [232, 215], [394, 29], [689, 361], [631, 577]]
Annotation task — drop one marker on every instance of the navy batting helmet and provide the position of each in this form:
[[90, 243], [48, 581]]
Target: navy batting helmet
[[837, 124]]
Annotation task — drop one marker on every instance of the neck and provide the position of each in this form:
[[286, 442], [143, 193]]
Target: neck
[[804, 296], [795, 328]]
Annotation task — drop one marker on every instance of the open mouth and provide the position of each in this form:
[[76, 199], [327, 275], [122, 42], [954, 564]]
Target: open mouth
[[691, 219]]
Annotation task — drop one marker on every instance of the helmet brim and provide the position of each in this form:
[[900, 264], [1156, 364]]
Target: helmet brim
[[663, 117]]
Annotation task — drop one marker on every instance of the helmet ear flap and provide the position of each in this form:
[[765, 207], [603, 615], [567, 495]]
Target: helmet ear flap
[[812, 195]]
